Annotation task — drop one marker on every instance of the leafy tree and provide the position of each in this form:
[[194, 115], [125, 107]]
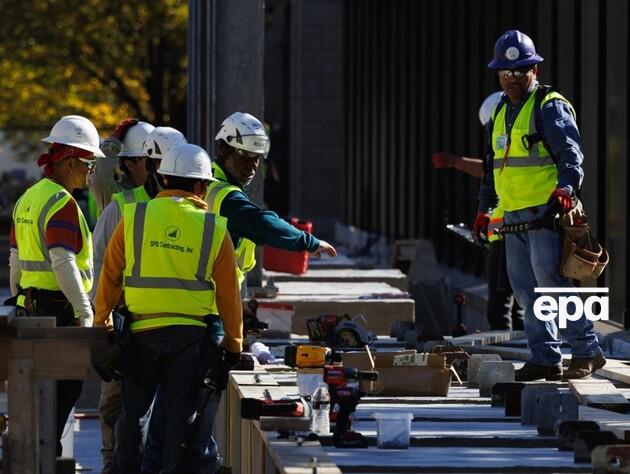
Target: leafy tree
[[102, 59]]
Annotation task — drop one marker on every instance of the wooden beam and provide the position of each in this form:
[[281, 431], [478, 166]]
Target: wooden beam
[[24, 430], [599, 394]]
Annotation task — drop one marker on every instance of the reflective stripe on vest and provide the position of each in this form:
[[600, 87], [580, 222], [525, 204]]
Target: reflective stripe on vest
[[245, 250], [37, 205], [522, 177], [170, 249], [129, 196]]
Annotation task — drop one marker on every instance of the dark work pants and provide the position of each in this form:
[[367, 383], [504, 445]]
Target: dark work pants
[[503, 312]]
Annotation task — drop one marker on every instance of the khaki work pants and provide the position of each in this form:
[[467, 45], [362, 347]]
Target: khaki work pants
[[109, 411]]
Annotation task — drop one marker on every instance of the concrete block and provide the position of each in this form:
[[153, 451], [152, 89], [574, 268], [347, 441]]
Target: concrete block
[[587, 441], [473, 366], [492, 372], [513, 402], [529, 401], [555, 408], [500, 390], [614, 459], [568, 431]]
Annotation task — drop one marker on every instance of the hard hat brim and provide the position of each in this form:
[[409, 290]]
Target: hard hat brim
[[507, 64], [62, 141]]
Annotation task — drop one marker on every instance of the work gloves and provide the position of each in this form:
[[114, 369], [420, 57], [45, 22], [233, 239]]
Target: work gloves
[[216, 377], [480, 227], [443, 160], [123, 127], [563, 197]]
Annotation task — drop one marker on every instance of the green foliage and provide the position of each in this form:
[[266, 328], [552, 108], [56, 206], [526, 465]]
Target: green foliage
[[102, 59]]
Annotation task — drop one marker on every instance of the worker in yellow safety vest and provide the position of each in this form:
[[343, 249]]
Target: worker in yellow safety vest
[[51, 244], [534, 170], [142, 151], [175, 264]]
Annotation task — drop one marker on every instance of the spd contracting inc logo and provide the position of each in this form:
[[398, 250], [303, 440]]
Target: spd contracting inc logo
[[571, 307]]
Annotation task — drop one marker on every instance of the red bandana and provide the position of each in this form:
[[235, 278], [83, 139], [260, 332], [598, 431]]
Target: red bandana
[[58, 152]]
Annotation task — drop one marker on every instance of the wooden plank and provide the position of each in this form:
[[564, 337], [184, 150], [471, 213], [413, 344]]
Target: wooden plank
[[607, 421], [378, 313], [391, 276], [599, 394], [34, 322], [339, 289], [7, 313], [485, 338], [24, 430], [47, 405]]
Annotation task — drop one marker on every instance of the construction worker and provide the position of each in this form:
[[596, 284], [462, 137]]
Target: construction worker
[[124, 164], [534, 167], [51, 245], [502, 311], [241, 143], [175, 263], [157, 142]]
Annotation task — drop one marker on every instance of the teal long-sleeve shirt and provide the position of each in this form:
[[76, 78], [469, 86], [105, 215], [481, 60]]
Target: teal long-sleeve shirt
[[261, 226]]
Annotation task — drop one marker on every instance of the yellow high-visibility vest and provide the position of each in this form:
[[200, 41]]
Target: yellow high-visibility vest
[[170, 249], [30, 219], [128, 196], [217, 192], [522, 177]]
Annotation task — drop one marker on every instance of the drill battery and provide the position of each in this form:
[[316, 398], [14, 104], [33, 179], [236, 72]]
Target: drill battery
[[309, 356]]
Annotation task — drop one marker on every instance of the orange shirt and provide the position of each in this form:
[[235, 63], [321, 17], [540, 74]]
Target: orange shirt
[[227, 292]]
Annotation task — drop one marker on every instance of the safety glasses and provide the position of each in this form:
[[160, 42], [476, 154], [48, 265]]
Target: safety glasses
[[517, 73], [89, 163], [249, 154]]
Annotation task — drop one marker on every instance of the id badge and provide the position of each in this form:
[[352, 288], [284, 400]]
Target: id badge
[[501, 142]]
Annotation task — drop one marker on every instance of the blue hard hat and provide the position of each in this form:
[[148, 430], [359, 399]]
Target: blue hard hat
[[514, 50]]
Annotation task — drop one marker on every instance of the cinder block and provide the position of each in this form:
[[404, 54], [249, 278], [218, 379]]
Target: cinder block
[[529, 401], [513, 402], [614, 459], [499, 391], [587, 441], [473, 366], [568, 430], [491, 372], [555, 408]]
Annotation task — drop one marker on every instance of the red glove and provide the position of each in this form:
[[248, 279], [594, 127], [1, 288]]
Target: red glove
[[123, 127], [480, 226], [563, 197], [443, 160]]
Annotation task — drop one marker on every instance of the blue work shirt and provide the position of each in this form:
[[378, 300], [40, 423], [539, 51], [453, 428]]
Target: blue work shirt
[[261, 226], [561, 134]]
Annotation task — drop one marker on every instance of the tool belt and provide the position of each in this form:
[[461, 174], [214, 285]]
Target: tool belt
[[39, 302], [583, 257]]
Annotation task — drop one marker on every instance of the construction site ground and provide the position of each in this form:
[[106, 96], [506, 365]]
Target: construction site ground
[[460, 433]]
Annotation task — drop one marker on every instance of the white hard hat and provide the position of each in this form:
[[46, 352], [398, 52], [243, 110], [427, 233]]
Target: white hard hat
[[245, 132], [160, 140], [134, 139], [76, 131], [487, 107], [187, 161]]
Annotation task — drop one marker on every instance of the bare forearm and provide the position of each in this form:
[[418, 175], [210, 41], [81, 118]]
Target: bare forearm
[[471, 166]]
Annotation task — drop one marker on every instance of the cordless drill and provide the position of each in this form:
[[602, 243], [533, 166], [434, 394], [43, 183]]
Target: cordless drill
[[344, 400]]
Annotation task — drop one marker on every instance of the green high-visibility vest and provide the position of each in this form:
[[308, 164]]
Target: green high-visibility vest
[[245, 249], [522, 177], [30, 219], [128, 196], [170, 249]]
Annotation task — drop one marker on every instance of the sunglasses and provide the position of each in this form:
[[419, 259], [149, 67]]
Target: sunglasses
[[89, 163], [517, 73], [249, 154]]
